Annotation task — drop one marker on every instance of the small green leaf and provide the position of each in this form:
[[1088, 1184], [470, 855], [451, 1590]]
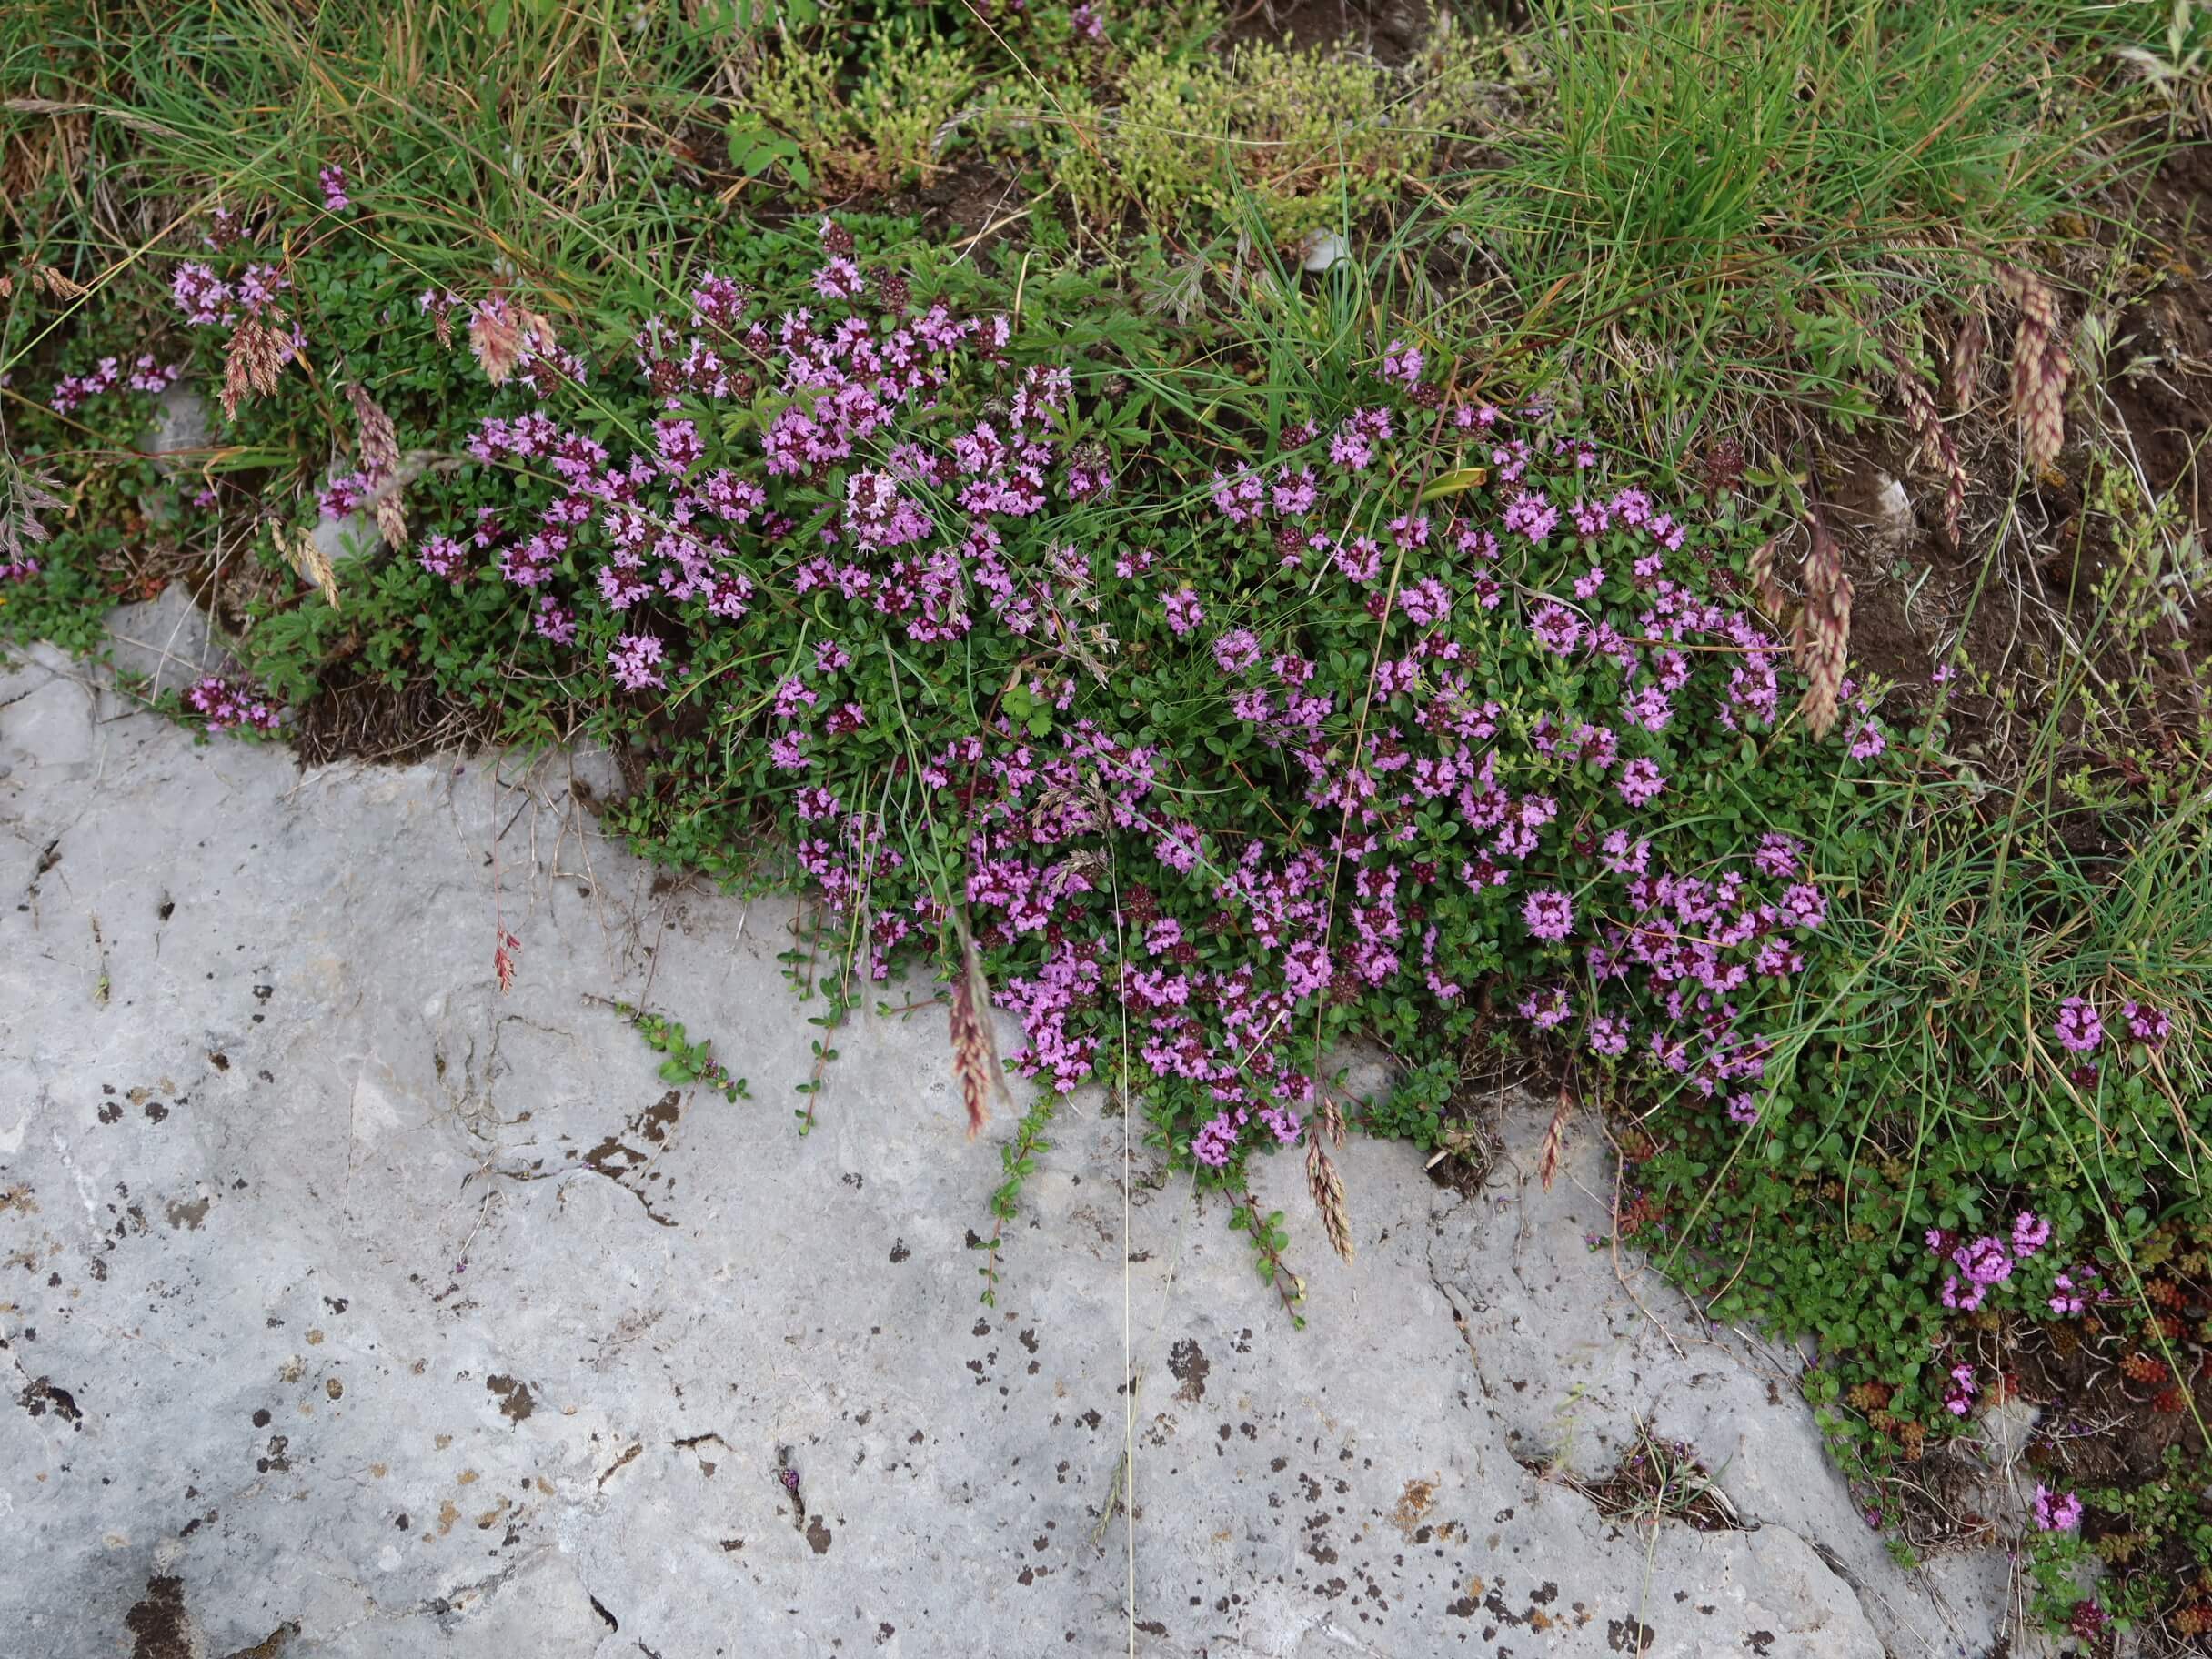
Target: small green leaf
[[1458, 481]]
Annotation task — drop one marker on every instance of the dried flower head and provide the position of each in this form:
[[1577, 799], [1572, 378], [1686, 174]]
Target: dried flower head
[[1966, 356], [501, 333], [1328, 1190], [24, 495], [253, 361], [1722, 466], [1760, 571], [1822, 639], [1555, 1140], [2040, 368], [975, 1051], [378, 444], [307, 557], [1937, 448]]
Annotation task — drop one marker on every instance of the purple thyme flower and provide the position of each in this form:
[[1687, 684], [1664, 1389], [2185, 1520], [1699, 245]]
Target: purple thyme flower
[[2054, 1513], [1185, 612], [634, 659], [1641, 781], [1237, 650], [2078, 1025], [2146, 1024], [1549, 913]]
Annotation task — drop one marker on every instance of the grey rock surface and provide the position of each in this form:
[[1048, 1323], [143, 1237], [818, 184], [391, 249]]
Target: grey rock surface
[[166, 642], [355, 1308], [184, 430]]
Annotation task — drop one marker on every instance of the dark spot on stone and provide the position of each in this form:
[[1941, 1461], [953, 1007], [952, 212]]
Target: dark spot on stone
[[1091, 1419], [599, 1607], [184, 1215], [899, 1252], [853, 1179], [164, 909], [1028, 1576], [976, 1240], [272, 1645], [336, 1304], [111, 1112], [1760, 1640], [730, 1546], [1153, 1627], [1029, 1341], [884, 1633], [159, 1628], [1188, 1364], [516, 1401], [156, 1112], [1545, 1596], [276, 1460], [219, 1060], [401, 1520], [660, 1116], [39, 1396], [262, 993], [1629, 1635], [818, 1536], [1462, 1608], [261, 1418]]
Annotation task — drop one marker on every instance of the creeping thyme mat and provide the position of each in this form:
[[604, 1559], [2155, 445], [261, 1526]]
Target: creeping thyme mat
[[1414, 702], [1346, 697]]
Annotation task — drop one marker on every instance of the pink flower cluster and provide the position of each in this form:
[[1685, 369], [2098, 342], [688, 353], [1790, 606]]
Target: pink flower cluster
[[225, 705], [71, 392], [1986, 1260], [2054, 1513], [1960, 1395], [206, 299]]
